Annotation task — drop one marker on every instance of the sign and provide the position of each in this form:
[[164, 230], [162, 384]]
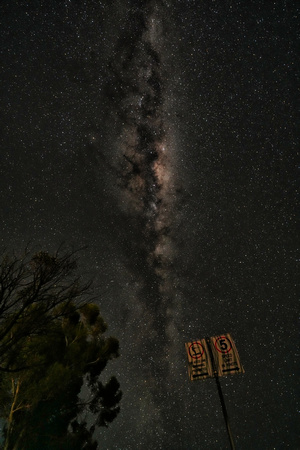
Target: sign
[[226, 357], [216, 356], [199, 361]]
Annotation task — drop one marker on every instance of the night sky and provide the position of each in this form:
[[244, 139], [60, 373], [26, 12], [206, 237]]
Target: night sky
[[162, 136]]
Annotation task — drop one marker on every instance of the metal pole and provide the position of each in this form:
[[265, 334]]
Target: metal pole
[[232, 446], [225, 413]]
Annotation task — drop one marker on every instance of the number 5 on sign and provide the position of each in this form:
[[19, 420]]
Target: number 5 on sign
[[226, 357]]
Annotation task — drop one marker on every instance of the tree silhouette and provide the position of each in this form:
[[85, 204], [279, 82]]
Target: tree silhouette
[[32, 288], [46, 367]]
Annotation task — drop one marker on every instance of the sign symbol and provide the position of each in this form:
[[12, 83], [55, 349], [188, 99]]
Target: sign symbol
[[196, 350], [223, 344]]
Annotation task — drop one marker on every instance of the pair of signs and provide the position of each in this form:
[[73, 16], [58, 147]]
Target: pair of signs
[[211, 357]]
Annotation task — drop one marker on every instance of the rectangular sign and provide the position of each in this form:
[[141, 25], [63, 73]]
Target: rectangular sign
[[200, 366], [216, 356], [226, 357]]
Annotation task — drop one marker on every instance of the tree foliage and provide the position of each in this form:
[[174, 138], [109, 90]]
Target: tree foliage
[[34, 290], [44, 367]]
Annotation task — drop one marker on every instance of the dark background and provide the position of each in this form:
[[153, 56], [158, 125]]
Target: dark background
[[229, 73]]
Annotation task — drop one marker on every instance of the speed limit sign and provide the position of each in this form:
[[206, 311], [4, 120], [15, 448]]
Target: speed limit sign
[[226, 357], [211, 357]]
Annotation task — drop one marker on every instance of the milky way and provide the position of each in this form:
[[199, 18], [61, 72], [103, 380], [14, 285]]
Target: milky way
[[147, 176]]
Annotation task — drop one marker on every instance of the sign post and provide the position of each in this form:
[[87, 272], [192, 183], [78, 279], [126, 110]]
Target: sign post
[[211, 358], [222, 400]]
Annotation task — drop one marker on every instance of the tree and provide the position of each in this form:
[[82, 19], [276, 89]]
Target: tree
[[45, 368], [32, 288]]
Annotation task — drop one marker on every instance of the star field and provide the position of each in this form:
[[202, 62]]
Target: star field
[[162, 135]]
